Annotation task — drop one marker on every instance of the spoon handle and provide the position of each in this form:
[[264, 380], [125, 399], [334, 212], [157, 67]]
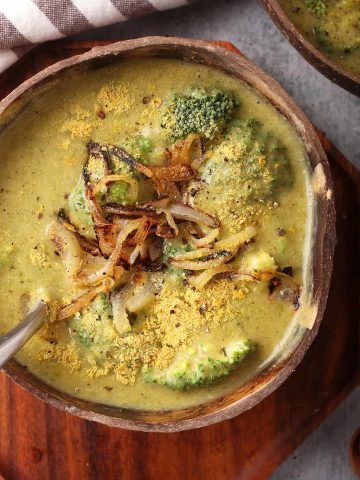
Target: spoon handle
[[11, 342]]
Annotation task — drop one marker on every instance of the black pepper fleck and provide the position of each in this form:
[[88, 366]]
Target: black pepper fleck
[[202, 309]]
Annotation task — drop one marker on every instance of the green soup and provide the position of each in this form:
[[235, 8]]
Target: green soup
[[333, 26], [163, 209]]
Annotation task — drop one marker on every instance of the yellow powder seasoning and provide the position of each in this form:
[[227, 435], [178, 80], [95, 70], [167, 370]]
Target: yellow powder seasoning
[[78, 125], [66, 355], [151, 108], [179, 313], [114, 97], [76, 129], [96, 371], [39, 257], [65, 144]]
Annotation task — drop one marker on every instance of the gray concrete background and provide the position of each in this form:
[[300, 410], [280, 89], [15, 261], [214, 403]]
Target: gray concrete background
[[323, 456]]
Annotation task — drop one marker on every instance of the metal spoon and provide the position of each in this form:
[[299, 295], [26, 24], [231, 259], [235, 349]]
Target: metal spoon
[[18, 336]]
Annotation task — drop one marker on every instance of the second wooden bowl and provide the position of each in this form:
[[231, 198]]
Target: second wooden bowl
[[313, 55], [245, 396]]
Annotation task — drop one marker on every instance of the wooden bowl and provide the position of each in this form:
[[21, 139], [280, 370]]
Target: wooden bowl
[[245, 396], [321, 62]]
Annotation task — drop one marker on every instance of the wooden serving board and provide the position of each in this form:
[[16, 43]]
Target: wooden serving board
[[40, 442]]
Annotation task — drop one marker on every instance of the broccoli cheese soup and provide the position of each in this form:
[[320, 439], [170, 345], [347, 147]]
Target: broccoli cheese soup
[[163, 211], [333, 26]]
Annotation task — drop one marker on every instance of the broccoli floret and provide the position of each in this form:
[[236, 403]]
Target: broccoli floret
[[170, 249], [118, 193], [78, 208], [145, 144], [102, 305], [198, 112], [322, 39], [267, 167], [84, 337], [194, 367], [318, 7], [173, 247], [256, 165], [93, 325], [139, 147]]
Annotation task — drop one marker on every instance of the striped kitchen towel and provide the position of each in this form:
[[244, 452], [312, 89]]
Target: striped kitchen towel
[[24, 23]]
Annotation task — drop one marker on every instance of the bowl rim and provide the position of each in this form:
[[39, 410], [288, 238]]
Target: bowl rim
[[229, 404], [313, 55]]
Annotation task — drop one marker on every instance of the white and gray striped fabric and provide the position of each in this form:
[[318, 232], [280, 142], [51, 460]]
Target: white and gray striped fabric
[[25, 23]]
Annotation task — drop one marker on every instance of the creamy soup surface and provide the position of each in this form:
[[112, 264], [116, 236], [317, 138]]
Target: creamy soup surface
[[163, 210], [333, 26]]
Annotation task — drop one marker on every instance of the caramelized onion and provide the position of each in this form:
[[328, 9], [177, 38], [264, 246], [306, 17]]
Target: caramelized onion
[[160, 203], [91, 265], [106, 237], [134, 297], [115, 256], [213, 260], [226, 271], [143, 230], [207, 239], [92, 203], [155, 248], [134, 187], [147, 208], [84, 300], [200, 154], [164, 230], [222, 252], [142, 293], [193, 254], [245, 276], [130, 210], [120, 317], [134, 255], [89, 245], [238, 239], [199, 281], [189, 151], [170, 219], [125, 233], [129, 160], [185, 212], [175, 155], [168, 189], [164, 177], [173, 173], [68, 246], [282, 286], [95, 150]]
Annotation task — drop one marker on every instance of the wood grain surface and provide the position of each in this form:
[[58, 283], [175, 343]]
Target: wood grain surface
[[39, 442]]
